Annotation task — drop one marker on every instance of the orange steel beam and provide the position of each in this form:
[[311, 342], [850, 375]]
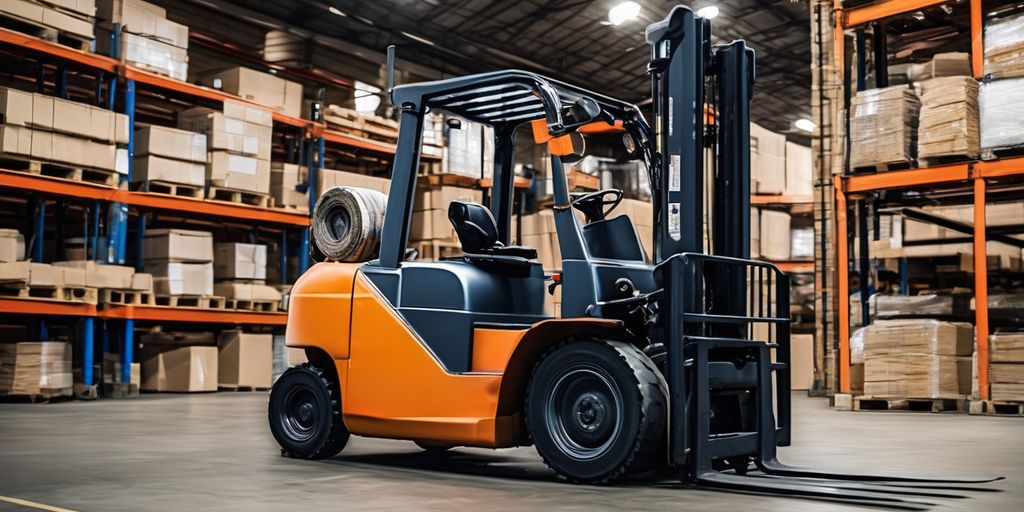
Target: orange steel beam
[[1000, 168], [46, 307], [795, 267], [977, 46], [880, 10], [981, 286], [907, 178], [193, 315], [62, 187], [843, 292], [58, 50]]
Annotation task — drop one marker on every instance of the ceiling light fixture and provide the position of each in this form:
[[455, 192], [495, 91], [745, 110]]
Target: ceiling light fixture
[[623, 12], [708, 12], [334, 10], [805, 124]]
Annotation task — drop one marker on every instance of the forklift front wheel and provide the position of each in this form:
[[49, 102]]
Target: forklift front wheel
[[596, 410], [304, 413]]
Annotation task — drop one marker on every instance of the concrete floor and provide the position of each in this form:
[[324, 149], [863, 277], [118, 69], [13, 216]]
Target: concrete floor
[[215, 452]]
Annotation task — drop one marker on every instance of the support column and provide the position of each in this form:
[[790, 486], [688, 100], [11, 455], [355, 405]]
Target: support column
[[981, 286], [127, 351], [843, 288]]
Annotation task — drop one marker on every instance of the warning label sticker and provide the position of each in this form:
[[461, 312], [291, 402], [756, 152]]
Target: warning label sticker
[[673, 221], [674, 178]]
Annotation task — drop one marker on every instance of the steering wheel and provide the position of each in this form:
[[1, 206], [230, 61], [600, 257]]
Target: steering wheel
[[593, 205]]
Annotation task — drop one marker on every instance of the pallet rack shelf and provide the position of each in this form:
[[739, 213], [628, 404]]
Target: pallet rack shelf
[[978, 176]]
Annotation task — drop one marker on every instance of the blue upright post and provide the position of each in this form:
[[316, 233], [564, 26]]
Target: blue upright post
[[87, 350], [283, 255], [117, 230], [127, 349]]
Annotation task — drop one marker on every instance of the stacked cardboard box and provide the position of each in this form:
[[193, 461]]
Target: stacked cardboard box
[[433, 135], [942, 64], [327, 178], [183, 362], [469, 150], [91, 274], [1006, 369], [181, 261], [538, 231], [641, 213], [263, 88], [27, 274], [40, 127], [767, 161], [949, 118], [71, 17], [430, 212], [169, 155], [957, 304], [12, 246], [148, 39], [284, 182], [775, 239], [1004, 47], [918, 359], [244, 360], [35, 369], [799, 170], [883, 126], [241, 271], [1001, 107], [238, 140]]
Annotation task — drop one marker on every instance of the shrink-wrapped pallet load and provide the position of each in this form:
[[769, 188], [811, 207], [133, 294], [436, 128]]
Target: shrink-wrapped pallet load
[[917, 359], [1004, 47], [883, 126], [1001, 109], [948, 123], [1006, 371]]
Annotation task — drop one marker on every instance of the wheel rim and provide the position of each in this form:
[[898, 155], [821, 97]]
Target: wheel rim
[[584, 412], [300, 414]]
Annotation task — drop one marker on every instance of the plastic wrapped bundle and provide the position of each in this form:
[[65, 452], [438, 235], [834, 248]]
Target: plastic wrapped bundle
[[929, 304], [1001, 105], [1004, 47], [883, 127], [917, 359], [1006, 372], [919, 336], [348, 222], [35, 369], [949, 118]]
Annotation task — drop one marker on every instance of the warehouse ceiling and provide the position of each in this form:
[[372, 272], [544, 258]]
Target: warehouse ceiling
[[567, 39]]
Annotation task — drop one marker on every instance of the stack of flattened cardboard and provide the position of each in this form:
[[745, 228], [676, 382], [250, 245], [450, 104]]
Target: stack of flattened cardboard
[[949, 118], [263, 88], [69, 17], [180, 260], [918, 359], [148, 39], [956, 304], [1001, 107], [883, 127], [1006, 369], [284, 182], [1004, 47], [35, 369], [238, 140], [40, 127], [169, 155], [241, 272], [942, 64]]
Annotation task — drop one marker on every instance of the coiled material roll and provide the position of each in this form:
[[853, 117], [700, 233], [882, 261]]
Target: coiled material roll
[[347, 223]]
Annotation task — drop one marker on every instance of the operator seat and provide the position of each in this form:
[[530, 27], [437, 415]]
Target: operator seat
[[478, 235]]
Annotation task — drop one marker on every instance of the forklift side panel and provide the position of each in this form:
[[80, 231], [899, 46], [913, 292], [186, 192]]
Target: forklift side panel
[[320, 308]]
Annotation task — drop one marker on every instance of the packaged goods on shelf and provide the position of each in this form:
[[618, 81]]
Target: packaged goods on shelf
[[538, 231], [240, 261], [918, 359], [27, 273], [942, 64], [996, 215], [284, 178], [431, 225], [148, 39], [366, 125], [767, 161], [74, 21], [328, 178], [799, 170], [12, 246], [438, 198], [244, 360], [246, 291], [1006, 347], [948, 123], [238, 172], [171, 143], [956, 304], [264, 88], [775, 235], [801, 361], [801, 243], [1001, 107], [183, 370], [1004, 47], [469, 150], [1006, 370], [177, 278], [178, 245], [34, 368], [98, 275], [167, 170], [883, 126], [239, 142]]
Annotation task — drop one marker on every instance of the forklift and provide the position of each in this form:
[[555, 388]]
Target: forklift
[[650, 366]]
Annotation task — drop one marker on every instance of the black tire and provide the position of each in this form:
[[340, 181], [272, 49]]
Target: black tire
[[596, 410], [305, 413]]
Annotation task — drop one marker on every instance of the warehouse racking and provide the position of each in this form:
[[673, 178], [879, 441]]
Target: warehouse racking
[[136, 92], [971, 182]]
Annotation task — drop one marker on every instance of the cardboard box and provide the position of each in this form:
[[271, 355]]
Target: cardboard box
[[183, 370], [143, 19], [84, 7], [142, 282], [917, 375], [264, 88], [73, 277], [801, 244], [29, 273], [431, 225], [178, 245], [171, 143], [239, 290], [238, 172], [328, 178], [801, 361], [153, 54], [883, 126], [799, 170], [34, 368], [42, 146], [42, 112], [767, 161], [177, 278], [97, 275], [438, 198], [948, 124], [227, 132], [15, 107], [1006, 347], [919, 336], [12, 245], [15, 140], [249, 113], [775, 235], [240, 261], [1004, 47], [37, 13], [157, 168], [112, 370], [755, 233], [283, 180], [244, 360], [71, 117]]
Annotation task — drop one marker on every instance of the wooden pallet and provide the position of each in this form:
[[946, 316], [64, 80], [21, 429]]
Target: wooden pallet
[[288, 207], [997, 407], [22, 290], [883, 167], [433, 250], [104, 177], [933, 161], [190, 301], [171, 189], [868, 403], [44, 396], [127, 297], [252, 305], [238, 196]]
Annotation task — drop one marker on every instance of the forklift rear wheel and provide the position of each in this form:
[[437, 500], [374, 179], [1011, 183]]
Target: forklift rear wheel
[[305, 416], [596, 410]]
